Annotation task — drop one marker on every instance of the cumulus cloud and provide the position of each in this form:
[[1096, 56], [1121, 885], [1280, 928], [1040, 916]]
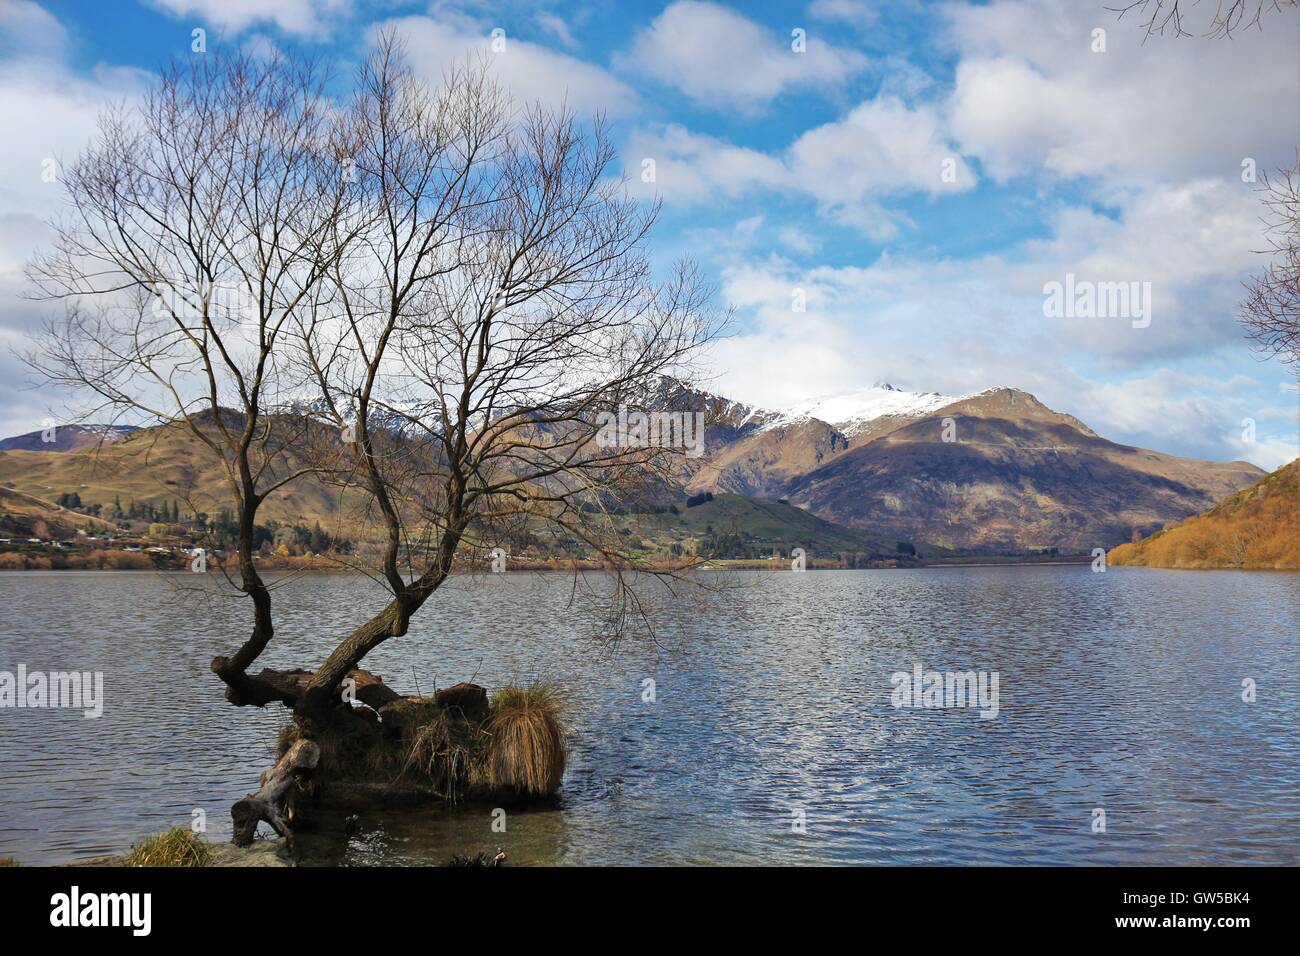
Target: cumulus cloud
[[1191, 241], [303, 18], [881, 148], [49, 114], [1201, 415], [528, 70], [691, 167], [723, 60], [1030, 95], [558, 28], [27, 29]]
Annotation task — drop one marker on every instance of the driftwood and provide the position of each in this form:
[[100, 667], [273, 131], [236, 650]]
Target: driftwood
[[274, 801]]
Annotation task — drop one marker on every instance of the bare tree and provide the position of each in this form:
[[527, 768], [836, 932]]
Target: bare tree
[[442, 300], [1270, 312], [1160, 16], [515, 305], [198, 226]]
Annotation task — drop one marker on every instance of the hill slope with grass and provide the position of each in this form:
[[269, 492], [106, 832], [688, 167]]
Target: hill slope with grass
[[162, 464], [1257, 527], [736, 526], [24, 516]]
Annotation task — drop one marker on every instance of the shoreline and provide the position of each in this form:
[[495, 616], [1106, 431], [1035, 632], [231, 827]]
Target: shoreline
[[263, 853], [713, 566]]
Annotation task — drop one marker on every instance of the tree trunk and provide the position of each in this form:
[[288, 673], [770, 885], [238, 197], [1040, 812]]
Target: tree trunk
[[269, 686], [275, 801]]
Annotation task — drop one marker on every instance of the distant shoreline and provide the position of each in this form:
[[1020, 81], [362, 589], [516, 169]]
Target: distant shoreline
[[461, 572]]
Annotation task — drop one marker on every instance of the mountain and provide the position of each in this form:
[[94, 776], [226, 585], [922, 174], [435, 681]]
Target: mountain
[[1257, 527], [1016, 476], [163, 464], [67, 438], [168, 463], [767, 450]]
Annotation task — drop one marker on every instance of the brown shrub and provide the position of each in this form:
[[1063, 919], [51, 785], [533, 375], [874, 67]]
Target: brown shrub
[[526, 749]]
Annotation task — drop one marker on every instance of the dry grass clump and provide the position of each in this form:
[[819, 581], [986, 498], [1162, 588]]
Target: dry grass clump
[[441, 749], [525, 748], [177, 847], [519, 746], [8, 861]]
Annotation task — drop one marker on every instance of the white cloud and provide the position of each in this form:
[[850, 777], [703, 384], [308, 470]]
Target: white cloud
[[1031, 96], [792, 237], [557, 28], [28, 29], [1192, 241], [48, 114], [1188, 412], [530, 71], [723, 60], [691, 168], [881, 148], [304, 18], [956, 326]]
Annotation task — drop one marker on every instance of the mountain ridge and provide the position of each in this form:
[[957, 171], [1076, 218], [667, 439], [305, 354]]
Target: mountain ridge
[[996, 470]]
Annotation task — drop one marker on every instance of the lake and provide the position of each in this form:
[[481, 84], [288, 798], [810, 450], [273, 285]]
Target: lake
[[772, 736]]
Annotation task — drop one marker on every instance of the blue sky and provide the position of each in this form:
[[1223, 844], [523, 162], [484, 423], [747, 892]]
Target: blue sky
[[917, 173]]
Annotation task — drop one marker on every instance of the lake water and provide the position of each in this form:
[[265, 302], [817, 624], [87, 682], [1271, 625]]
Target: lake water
[[1119, 691]]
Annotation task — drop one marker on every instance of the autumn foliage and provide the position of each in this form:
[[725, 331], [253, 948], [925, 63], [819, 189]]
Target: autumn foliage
[[1256, 528]]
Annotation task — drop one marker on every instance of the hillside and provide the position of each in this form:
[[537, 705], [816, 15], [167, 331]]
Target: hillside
[[164, 464], [1017, 476], [25, 516], [1258, 527], [731, 525]]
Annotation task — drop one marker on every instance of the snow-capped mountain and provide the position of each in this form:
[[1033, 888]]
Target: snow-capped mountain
[[63, 438], [850, 412]]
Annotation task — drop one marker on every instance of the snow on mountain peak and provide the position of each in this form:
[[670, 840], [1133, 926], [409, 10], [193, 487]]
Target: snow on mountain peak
[[850, 412]]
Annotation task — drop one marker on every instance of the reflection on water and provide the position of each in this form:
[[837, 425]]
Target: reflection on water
[[1119, 690]]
